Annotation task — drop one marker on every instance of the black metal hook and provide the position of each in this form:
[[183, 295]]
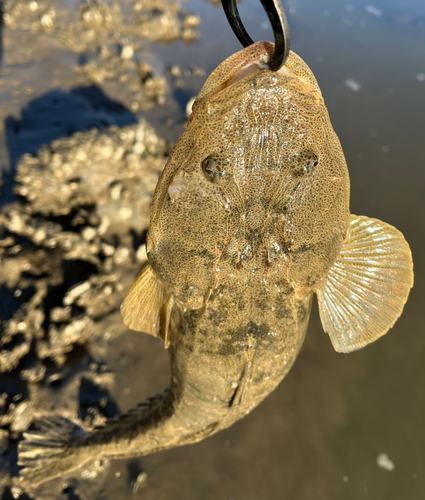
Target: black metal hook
[[276, 15]]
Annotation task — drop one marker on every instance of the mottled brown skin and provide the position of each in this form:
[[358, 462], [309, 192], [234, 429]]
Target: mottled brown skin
[[247, 218], [268, 211], [243, 249]]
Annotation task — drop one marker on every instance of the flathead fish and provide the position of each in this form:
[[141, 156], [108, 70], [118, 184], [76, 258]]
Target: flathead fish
[[249, 219]]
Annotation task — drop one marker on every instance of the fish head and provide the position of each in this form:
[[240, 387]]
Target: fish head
[[257, 186]]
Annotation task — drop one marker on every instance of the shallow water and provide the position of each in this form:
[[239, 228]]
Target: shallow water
[[319, 435]]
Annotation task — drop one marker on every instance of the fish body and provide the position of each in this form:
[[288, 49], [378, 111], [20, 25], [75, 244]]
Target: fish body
[[249, 219]]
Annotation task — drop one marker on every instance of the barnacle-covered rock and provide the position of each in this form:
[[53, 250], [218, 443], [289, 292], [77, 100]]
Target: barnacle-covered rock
[[115, 169]]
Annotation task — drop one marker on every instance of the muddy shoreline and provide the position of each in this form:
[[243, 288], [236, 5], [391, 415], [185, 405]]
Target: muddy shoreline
[[75, 206], [92, 97]]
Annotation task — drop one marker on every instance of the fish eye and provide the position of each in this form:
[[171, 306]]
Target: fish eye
[[212, 168], [305, 162], [207, 166]]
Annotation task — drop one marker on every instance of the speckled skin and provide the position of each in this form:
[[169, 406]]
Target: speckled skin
[[248, 216], [242, 250]]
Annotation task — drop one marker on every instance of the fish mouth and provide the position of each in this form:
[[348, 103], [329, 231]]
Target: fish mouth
[[257, 63], [250, 61], [240, 65], [249, 69]]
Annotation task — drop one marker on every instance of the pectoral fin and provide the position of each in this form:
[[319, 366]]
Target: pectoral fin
[[367, 286], [147, 306]]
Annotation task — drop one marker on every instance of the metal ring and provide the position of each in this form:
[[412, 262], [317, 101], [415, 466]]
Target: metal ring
[[276, 15]]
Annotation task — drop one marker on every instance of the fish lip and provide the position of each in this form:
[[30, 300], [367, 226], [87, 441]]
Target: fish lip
[[249, 61], [259, 53], [249, 69], [254, 67]]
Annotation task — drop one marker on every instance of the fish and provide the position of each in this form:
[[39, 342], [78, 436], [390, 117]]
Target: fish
[[250, 218]]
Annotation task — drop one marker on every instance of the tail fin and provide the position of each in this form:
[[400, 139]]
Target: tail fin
[[43, 453]]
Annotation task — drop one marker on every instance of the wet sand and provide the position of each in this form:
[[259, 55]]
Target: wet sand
[[91, 101]]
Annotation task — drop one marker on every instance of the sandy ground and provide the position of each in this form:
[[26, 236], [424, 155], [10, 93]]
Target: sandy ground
[[79, 84]]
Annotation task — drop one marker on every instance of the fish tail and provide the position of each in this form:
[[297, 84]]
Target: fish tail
[[45, 453], [58, 446]]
